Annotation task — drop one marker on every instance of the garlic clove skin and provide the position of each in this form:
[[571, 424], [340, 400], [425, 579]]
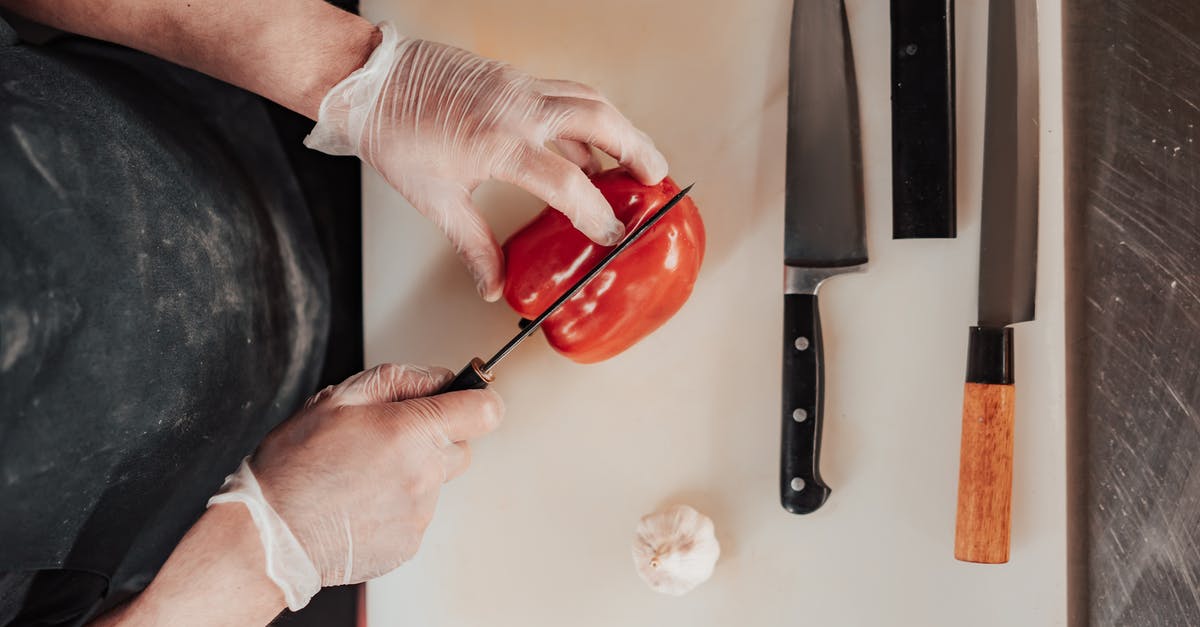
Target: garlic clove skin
[[675, 550]]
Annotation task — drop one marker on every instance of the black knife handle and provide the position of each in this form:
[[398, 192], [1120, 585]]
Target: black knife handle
[[471, 377], [801, 489]]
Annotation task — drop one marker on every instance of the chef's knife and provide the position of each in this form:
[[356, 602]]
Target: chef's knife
[[1007, 280], [823, 228], [478, 374]]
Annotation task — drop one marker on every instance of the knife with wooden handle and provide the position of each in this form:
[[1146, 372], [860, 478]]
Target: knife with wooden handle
[[1007, 282], [824, 229]]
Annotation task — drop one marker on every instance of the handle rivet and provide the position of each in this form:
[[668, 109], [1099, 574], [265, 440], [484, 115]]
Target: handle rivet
[[797, 484], [801, 343], [799, 415]]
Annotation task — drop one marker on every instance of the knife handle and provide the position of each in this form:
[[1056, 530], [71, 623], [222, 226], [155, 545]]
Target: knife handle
[[471, 377], [983, 524], [801, 489]]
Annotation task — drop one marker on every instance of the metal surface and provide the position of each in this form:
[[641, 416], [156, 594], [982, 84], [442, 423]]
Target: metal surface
[[1008, 244], [528, 329], [808, 280], [1132, 90], [824, 198]]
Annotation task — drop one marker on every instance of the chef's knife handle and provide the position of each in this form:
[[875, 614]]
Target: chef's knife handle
[[472, 377], [985, 460], [801, 489]]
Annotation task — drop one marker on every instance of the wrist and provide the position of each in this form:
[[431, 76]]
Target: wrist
[[349, 42], [215, 576]]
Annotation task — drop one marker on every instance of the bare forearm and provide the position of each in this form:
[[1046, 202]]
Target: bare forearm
[[216, 576], [290, 51]]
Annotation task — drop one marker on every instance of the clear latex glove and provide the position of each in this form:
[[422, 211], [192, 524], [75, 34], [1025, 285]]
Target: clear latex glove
[[342, 492], [436, 121]]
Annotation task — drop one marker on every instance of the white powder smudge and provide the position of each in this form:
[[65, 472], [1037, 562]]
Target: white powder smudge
[[15, 330]]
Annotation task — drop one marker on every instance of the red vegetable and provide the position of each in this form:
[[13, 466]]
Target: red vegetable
[[638, 292]]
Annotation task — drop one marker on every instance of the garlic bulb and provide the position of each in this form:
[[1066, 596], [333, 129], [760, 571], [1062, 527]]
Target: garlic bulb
[[675, 550]]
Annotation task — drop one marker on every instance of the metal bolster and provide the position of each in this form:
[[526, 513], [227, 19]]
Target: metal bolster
[[808, 280]]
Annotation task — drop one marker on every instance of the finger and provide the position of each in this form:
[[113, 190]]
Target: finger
[[601, 125], [454, 417], [568, 89], [456, 457], [389, 383], [563, 186], [580, 154], [473, 241]]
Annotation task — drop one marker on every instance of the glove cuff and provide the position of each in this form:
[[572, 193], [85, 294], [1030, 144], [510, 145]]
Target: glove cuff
[[344, 110], [288, 565]]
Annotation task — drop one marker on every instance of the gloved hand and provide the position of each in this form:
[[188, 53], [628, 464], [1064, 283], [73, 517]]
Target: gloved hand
[[436, 121], [343, 491]]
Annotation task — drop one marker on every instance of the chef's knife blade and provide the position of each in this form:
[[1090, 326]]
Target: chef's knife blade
[[478, 374], [824, 228], [1007, 281]]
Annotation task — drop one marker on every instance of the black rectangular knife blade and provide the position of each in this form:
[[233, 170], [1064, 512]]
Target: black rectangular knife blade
[[1007, 282], [477, 374], [824, 228], [923, 119]]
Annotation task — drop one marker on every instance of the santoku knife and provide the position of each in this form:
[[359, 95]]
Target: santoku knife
[[824, 228], [1007, 281]]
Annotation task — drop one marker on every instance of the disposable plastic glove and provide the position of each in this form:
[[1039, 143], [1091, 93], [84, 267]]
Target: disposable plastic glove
[[436, 121], [342, 492]]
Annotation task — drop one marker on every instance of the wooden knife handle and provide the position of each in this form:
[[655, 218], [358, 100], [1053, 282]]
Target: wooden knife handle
[[801, 489], [985, 469]]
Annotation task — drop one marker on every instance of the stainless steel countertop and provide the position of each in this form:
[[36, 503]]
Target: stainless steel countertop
[[1132, 90]]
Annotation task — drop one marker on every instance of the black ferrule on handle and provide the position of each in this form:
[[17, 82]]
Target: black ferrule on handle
[[801, 489], [923, 124], [472, 377], [990, 356]]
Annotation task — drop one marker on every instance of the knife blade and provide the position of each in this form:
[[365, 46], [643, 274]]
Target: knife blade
[[477, 374], [824, 228], [923, 138], [1007, 281]]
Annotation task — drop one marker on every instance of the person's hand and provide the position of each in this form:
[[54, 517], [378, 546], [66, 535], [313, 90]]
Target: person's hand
[[436, 121], [353, 478]]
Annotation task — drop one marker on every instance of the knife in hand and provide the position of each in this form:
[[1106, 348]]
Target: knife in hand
[[824, 228], [478, 373], [1007, 281]]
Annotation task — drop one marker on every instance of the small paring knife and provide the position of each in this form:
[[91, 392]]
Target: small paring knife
[[478, 374]]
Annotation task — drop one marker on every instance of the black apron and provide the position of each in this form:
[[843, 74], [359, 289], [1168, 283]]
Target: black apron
[[163, 304]]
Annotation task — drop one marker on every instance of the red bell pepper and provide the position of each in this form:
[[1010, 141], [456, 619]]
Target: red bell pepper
[[638, 292]]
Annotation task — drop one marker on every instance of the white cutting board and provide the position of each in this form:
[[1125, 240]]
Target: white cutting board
[[538, 532]]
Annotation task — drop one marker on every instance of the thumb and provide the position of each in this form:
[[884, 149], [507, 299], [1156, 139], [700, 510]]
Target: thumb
[[387, 383], [452, 417]]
